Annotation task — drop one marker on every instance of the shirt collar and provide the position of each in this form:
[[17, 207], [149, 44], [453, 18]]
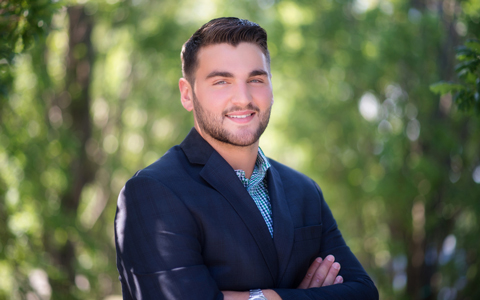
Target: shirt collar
[[259, 171], [261, 164]]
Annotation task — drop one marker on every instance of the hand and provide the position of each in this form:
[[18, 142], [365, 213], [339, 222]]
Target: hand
[[322, 273]]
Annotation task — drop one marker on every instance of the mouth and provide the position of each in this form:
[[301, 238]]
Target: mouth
[[240, 116]]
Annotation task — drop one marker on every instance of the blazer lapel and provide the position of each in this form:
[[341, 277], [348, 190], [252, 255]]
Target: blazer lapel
[[220, 175], [283, 231], [226, 182]]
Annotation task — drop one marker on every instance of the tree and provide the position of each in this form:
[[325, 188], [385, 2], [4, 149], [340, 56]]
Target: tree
[[81, 113], [467, 92], [21, 23]]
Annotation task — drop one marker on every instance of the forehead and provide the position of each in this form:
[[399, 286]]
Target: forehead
[[244, 57]]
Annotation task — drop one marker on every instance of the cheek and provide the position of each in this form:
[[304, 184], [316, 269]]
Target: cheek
[[221, 95], [264, 97], [213, 99], [218, 100]]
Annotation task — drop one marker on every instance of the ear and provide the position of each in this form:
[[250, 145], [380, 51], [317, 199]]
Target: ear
[[186, 95]]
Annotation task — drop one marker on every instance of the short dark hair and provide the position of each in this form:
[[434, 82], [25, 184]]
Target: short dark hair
[[228, 30]]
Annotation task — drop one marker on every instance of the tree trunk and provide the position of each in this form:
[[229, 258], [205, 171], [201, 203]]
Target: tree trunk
[[79, 62], [420, 274]]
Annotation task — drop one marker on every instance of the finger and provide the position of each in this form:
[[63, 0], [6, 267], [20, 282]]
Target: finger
[[338, 280], [310, 272], [332, 274], [322, 271]]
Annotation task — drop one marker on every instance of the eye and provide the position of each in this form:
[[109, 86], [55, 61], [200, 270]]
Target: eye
[[220, 82], [256, 80]]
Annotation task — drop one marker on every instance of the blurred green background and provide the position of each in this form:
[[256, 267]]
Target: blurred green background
[[89, 95]]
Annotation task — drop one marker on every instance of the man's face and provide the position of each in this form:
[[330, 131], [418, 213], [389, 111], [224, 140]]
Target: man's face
[[232, 93]]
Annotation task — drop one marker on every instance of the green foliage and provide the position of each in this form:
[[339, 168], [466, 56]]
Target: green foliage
[[352, 110], [467, 92], [21, 24], [444, 88]]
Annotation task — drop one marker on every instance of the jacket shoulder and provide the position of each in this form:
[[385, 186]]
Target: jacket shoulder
[[167, 166], [291, 176]]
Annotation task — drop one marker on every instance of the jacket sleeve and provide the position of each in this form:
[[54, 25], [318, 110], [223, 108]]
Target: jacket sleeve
[[158, 245], [357, 284]]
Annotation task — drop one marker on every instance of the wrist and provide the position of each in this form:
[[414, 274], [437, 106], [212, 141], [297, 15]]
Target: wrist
[[257, 294], [271, 295]]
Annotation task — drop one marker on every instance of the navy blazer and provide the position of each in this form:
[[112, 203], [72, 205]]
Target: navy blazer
[[186, 228]]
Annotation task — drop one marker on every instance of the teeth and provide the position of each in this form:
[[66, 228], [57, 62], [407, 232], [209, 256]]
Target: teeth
[[239, 116]]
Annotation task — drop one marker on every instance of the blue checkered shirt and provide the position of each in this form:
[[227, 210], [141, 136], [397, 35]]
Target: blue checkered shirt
[[257, 188]]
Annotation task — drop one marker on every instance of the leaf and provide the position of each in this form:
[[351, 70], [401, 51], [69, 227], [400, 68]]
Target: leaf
[[464, 52], [469, 64], [463, 73], [470, 79], [443, 87], [464, 100], [474, 45]]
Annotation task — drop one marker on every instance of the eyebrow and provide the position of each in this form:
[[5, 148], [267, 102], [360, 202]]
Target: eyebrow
[[258, 72], [219, 74]]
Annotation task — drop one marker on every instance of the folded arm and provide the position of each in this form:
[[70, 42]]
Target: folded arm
[[323, 284], [356, 282], [322, 272]]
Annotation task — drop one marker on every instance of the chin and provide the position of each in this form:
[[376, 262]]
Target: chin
[[242, 139]]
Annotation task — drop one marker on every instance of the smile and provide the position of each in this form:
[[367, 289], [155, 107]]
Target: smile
[[240, 116]]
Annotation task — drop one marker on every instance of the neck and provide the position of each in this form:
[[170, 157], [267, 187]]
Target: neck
[[239, 158]]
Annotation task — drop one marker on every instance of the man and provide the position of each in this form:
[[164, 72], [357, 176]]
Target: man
[[214, 218]]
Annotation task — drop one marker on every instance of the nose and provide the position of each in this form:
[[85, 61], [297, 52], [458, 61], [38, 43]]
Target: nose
[[242, 95]]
